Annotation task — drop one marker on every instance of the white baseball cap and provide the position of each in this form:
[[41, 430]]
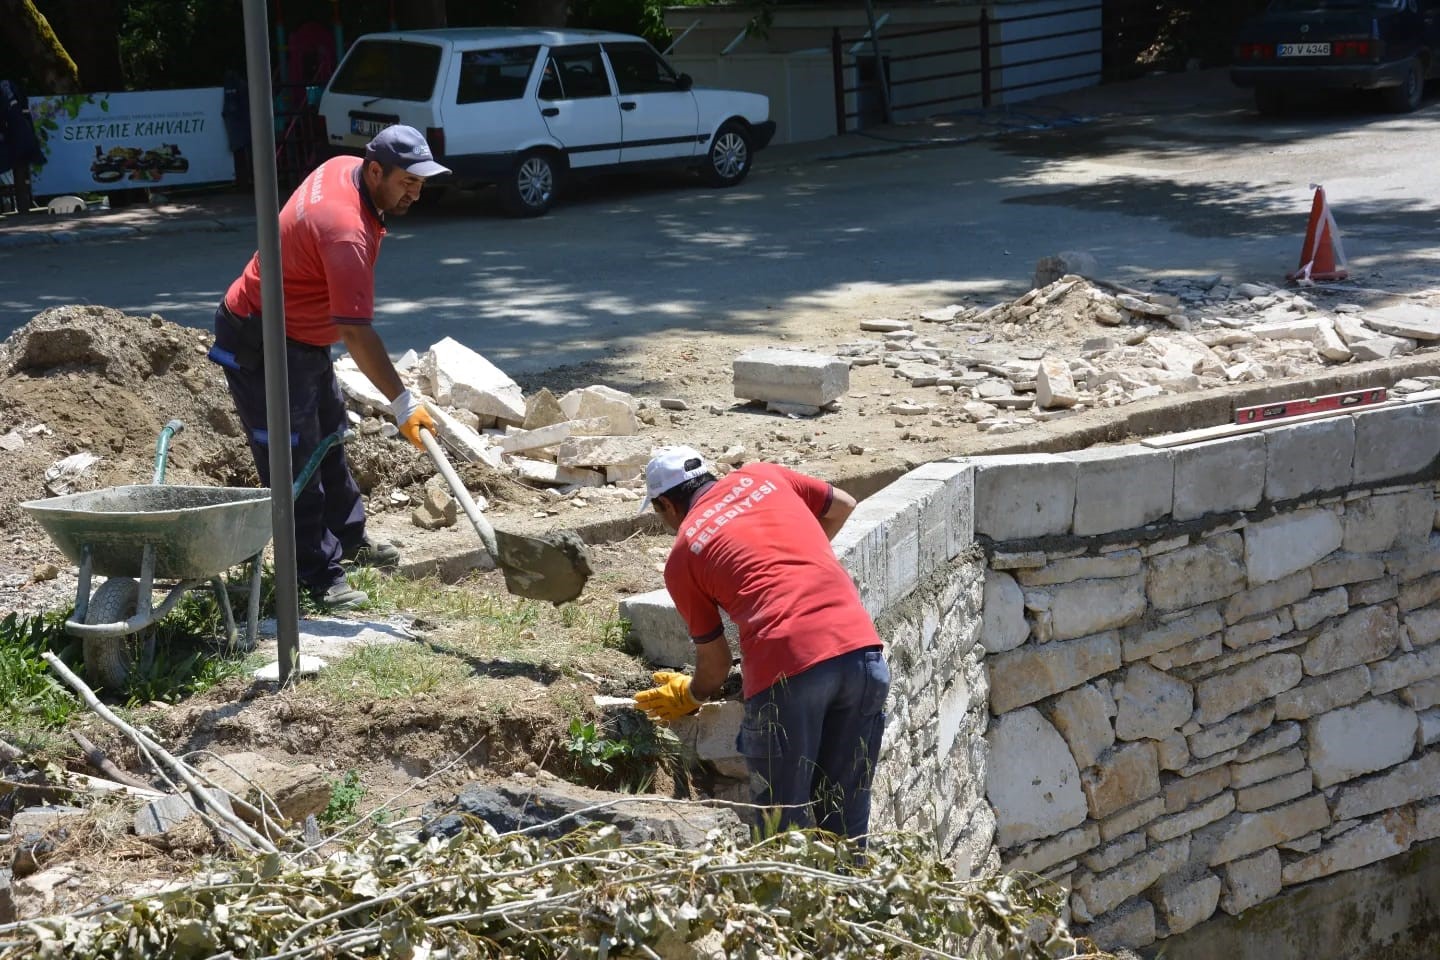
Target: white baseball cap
[[668, 468]]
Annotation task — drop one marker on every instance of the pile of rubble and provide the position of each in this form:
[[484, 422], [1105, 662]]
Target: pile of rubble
[[1075, 344], [583, 447]]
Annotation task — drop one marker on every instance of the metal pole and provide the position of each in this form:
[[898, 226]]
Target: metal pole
[[838, 71], [985, 82], [879, 62], [272, 311]]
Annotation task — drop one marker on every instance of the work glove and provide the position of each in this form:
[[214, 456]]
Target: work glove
[[410, 416], [669, 701]]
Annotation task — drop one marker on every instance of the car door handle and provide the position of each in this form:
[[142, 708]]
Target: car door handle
[[627, 104], [550, 112]]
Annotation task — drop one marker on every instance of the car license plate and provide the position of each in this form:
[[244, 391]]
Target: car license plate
[[1304, 50], [368, 128]]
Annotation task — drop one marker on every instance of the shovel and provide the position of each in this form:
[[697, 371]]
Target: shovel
[[553, 567]]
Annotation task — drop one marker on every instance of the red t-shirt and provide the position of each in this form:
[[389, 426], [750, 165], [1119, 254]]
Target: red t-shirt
[[751, 546], [329, 238]]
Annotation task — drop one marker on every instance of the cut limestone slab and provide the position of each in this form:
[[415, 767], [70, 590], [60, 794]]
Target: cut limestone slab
[[555, 433], [1410, 320], [598, 400], [603, 451], [790, 376], [458, 376], [1032, 780]]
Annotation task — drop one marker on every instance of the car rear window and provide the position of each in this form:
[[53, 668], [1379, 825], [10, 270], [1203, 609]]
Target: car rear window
[[389, 69], [487, 75]]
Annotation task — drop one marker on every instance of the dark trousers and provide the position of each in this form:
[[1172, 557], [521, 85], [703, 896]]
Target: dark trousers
[[329, 512], [812, 741]]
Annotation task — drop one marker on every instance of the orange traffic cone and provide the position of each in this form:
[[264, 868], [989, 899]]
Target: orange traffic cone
[[1322, 257]]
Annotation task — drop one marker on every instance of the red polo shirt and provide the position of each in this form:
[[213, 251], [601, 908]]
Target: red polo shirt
[[751, 546], [329, 239]]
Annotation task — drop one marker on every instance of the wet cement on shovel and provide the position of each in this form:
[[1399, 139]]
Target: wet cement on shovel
[[552, 567]]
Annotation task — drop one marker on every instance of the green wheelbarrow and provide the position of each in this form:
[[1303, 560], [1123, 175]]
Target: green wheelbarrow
[[140, 535]]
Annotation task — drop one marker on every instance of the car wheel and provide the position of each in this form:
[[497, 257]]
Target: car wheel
[[530, 189], [1406, 97], [1269, 101], [730, 155]]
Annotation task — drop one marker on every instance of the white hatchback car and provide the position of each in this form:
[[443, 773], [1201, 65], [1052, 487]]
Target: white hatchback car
[[521, 108]]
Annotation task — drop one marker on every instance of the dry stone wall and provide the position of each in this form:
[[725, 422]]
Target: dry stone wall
[[1176, 680], [1213, 669]]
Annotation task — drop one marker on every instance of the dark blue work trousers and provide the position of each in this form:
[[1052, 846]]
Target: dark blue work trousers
[[329, 512], [811, 742]]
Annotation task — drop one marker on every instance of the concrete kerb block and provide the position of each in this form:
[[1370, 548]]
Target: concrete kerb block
[[1021, 496], [1121, 488], [1306, 458], [1219, 476], [790, 376], [959, 479], [657, 626], [1396, 442], [880, 543]]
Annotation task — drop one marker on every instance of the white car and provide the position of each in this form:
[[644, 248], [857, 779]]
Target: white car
[[521, 108]]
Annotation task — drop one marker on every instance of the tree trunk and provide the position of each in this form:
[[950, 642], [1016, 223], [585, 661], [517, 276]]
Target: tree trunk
[[421, 14], [29, 33], [90, 30], [543, 13]]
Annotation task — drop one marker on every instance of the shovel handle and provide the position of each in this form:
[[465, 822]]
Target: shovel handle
[[477, 519]]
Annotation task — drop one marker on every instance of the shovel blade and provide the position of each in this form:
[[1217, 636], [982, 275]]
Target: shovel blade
[[552, 567]]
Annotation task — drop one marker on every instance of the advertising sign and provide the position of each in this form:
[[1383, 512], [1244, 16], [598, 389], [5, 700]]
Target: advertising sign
[[119, 141]]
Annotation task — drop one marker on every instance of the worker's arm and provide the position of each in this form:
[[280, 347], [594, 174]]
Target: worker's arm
[[368, 350], [712, 667], [834, 517]]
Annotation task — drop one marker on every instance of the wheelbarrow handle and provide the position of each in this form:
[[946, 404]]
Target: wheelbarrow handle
[[162, 449], [313, 464]]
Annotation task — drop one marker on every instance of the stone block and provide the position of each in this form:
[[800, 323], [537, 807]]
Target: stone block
[[1323, 694], [603, 451], [1359, 739], [1054, 386], [1146, 475], [1404, 670], [463, 441], [1112, 855], [1219, 476], [958, 500], [860, 548], [1173, 751], [1108, 890], [1188, 821], [1045, 854], [1125, 775], [1291, 786], [1267, 597], [456, 376], [357, 388], [297, 790], [1266, 768], [1306, 458], [1420, 593], [1423, 626], [1022, 496], [1220, 696], [554, 433], [1422, 696], [1410, 781], [790, 376], [1377, 523], [1182, 792], [1361, 636], [657, 626], [1085, 607], [554, 475], [1131, 926], [598, 400], [1341, 568], [1429, 728], [1280, 736], [1395, 442], [170, 811], [1185, 903], [1034, 672], [1190, 654], [1385, 836], [1231, 732], [1150, 704], [1320, 607], [1413, 560], [1251, 632], [1289, 542], [1032, 782], [1003, 624], [1110, 566], [1189, 626], [955, 703], [1196, 575], [542, 409], [1082, 716], [1249, 833], [1250, 881], [710, 734], [1131, 819], [933, 534]]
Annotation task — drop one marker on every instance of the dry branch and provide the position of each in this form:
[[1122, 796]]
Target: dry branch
[[97, 759]]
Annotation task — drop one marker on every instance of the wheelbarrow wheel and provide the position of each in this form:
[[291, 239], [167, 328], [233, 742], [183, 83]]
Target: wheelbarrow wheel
[[110, 660]]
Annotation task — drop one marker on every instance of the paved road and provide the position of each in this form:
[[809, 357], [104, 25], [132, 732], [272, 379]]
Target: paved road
[[1198, 185]]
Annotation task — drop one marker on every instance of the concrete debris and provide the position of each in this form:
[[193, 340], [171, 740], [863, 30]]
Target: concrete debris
[[454, 375], [438, 509]]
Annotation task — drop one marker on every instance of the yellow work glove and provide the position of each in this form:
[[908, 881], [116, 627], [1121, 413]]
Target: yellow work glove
[[411, 416], [671, 700]]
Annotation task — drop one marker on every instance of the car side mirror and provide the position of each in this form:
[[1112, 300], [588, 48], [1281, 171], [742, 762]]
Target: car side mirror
[[683, 82]]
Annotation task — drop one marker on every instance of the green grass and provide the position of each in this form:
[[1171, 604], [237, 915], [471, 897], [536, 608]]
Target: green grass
[[31, 698]]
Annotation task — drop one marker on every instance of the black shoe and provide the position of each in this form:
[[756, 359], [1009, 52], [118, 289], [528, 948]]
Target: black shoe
[[369, 553], [339, 596]]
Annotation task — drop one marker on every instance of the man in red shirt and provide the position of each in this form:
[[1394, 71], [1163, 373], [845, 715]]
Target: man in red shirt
[[756, 544], [330, 231]]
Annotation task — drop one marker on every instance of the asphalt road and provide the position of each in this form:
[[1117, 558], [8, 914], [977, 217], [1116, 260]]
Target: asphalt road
[[1188, 181]]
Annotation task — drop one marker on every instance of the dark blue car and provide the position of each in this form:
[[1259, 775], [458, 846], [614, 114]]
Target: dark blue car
[[1304, 48]]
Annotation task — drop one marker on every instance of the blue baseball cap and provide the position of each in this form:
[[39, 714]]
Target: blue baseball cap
[[404, 147]]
